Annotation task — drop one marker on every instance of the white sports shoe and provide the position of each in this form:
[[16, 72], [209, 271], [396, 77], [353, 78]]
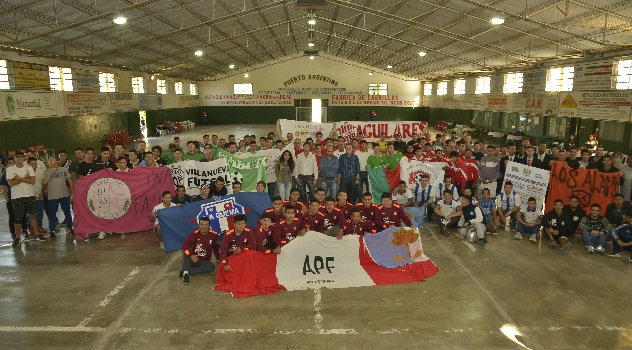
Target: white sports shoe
[[101, 235]]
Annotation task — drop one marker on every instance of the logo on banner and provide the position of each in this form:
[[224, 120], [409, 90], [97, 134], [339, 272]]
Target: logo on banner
[[109, 198], [221, 213]]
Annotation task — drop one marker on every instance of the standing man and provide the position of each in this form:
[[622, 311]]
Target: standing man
[[21, 178], [329, 172], [349, 172], [197, 250], [306, 171], [55, 179]]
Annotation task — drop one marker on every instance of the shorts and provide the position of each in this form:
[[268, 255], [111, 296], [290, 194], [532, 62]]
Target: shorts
[[24, 205]]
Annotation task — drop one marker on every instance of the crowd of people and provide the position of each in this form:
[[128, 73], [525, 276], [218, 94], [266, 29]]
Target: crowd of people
[[322, 185]]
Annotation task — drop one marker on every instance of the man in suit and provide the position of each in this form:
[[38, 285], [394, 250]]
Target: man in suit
[[511, 156]]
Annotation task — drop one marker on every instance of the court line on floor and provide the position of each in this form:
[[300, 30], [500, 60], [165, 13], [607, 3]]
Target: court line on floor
[[109, 297]]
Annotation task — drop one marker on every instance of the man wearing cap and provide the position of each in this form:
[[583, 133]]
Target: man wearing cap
[[196, 250], [21, 178]]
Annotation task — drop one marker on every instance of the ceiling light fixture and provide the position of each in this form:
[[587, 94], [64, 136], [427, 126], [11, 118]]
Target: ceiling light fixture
[[231, 66], [199, 53], [310, 44], [311, 22], [120, 20], [497, 20], [422, 53], [389, 66]]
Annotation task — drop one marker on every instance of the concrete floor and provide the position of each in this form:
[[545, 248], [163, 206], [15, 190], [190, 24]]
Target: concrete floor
[[124, 293]]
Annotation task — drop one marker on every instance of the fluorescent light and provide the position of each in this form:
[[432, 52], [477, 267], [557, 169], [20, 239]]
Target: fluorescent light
[[120, 20], [422, 53], [199, 53], [231, 66], [497, 21], [311, 22], [310, 44], [389, 66]]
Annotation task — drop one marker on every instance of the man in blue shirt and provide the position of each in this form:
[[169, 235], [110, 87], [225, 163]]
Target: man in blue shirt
[[328, 172], [349, 171]]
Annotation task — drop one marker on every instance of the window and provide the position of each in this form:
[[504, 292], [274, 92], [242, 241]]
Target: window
[[611, 131], [513, 83], [193, 91], [161, 86], [483, 85], [459, 87], [560, 79], [442, 88], [107, 82], [428, 89], [624, 75], [4, 75], [61, 79], [138, 86], [178, 88], [378, 89], [242, 89]]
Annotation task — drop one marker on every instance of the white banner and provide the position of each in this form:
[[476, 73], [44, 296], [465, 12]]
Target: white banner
[[87, 80], [411, 171], [303, 130], [593, 76], [611, 105], [528, 182], [537, 103], [192, 175], [315, 261], [372, 130], [87, 103], [18, 104]]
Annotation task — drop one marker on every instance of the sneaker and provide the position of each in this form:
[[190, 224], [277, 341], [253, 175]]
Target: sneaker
[[553, 244], [181, 272], [39, 238], [533, 239], [41, 230], [565, 247], [162, 246], [518, 236], [600, 249], [591, 249], [101, 235], [16, 241], [186, 278], [615, 255], [52, 235]]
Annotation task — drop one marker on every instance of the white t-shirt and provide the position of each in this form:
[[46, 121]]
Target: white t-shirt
[[530, 216], [158, 207], [21, 190]]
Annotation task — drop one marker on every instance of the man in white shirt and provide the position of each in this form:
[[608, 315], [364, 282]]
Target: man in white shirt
[[306, 171], [363, 154], [529, 221], [21, 178], [166, 203], [447, 212]]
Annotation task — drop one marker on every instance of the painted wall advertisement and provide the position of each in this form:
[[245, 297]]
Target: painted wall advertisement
[[536, 103], [612, 105], [86, 103], [87, 80], [593, 76], [30, 75], [123, 102], [19, 104]]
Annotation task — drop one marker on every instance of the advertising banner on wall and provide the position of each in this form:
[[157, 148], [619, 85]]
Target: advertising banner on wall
[[528, 182], [593, 76], [18, 104], [123, 102], [534, 80], [611, 105], [372, 100], [87, 103], [372, 130], [30, 76], [149, 101], [537, 103], [248, 100], [87, 80], [185, 101], [499, 103]]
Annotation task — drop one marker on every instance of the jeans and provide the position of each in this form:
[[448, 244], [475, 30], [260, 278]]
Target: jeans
[[330, 186], [53, 205], [591, 239], [307, 182], [364, 181], [348, 183], [284, 189], [534, 230], [197, 268], [419, 214], [39, 215]]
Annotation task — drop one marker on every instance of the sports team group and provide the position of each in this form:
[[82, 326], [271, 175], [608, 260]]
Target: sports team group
[[322, 185]]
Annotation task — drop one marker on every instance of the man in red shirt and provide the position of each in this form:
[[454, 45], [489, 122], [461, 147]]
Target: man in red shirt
[[314, 218], [390, 214], [197, 250], [342, 204], [334, 218], [356, 226], [264, 235], [236, 240], [276, 211], [368, 209], [289, 228]]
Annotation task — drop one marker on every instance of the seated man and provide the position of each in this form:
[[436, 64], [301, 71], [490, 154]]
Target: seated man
[[621, 239], [368, 209], [472, 216], [557, 226], [529, 221], [289, 228], [236, 240], [508, 204], [181, 196], [277, 211], [447, 212], [196, 251], [356, 226], [334, 219], [390, 214], [166, 203], [314, 219], [264, 235], [488, 207], [424, 197], [595, 229]]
